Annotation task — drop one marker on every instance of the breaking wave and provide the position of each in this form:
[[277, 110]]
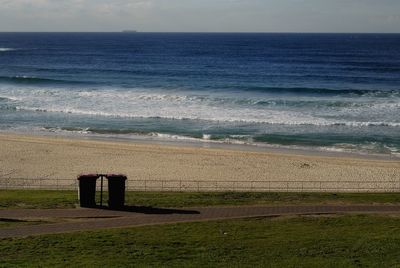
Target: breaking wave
[[5, 49], [184, 105]]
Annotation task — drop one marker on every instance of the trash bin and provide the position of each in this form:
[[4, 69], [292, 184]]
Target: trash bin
[[87, 190], [116, 190]]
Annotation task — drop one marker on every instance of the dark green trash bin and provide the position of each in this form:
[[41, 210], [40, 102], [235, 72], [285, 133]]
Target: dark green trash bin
[[87, 190], [116, 190]]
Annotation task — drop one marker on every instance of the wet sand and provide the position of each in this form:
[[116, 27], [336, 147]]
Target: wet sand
[[31, 157]]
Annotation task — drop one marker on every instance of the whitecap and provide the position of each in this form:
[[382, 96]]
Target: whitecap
[[5, 49]]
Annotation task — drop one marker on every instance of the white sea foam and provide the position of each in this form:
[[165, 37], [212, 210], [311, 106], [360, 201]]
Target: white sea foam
[[366, 148], [144, 103], [206, 137], [4, 49], [10, 98]]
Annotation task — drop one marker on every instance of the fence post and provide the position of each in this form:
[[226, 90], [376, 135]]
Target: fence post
[[287, 186]]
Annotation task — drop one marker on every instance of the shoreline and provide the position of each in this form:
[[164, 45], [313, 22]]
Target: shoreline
[[38, 157], [211, 144]]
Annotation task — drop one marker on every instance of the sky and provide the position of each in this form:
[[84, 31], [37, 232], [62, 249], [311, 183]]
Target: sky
[[378, 16]]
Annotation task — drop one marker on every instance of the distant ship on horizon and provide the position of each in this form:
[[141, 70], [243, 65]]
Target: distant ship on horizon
[[129, 31]]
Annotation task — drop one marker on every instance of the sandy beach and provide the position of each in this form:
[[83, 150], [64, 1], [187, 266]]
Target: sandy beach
[[33, 157]]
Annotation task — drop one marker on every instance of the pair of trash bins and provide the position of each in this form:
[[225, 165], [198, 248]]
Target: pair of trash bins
[[116, 190]]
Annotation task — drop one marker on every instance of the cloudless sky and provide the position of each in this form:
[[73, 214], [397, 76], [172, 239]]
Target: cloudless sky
[[201, 15]]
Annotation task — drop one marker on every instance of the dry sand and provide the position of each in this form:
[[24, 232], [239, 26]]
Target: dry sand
[[63, 158]]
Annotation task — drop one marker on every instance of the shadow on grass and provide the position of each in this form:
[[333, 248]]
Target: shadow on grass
[[11, 220], [150, 210]]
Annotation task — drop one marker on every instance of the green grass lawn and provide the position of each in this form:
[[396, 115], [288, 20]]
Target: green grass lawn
[[306, 241], [4, 223], [68, 199], [37, 199], [298, 241]]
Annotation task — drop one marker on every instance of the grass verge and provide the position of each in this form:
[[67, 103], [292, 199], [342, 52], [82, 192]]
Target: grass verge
[[4, 223], [306, 241], [68, 199]]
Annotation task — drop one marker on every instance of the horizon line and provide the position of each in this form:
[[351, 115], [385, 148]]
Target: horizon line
[[211, 32]]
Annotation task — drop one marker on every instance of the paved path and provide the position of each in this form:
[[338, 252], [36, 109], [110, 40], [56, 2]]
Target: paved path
[[91, 219]]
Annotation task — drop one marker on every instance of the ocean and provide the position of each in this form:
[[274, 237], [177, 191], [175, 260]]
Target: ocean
[[326, 92]]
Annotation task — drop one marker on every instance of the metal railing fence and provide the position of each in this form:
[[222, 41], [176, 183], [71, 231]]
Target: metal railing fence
[[212, 185]]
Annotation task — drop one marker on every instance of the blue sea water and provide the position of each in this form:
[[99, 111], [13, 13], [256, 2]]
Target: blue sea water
[[323, 91]]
